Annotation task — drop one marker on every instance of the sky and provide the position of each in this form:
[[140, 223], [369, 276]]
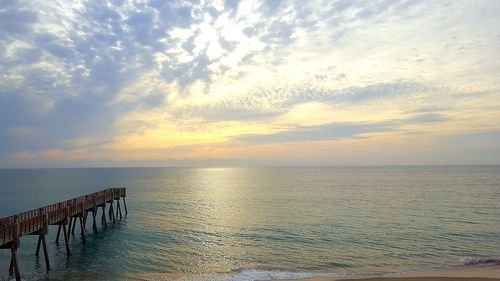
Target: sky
[[274, 82]]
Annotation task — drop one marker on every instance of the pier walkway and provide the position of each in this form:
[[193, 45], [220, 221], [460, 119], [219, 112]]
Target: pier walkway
[[65, 215]]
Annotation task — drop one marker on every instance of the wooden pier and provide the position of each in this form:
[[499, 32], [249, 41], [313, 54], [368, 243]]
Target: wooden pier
[[65, 215]]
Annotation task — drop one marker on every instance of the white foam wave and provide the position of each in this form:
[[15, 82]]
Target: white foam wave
[[250, 275], [257, 274]]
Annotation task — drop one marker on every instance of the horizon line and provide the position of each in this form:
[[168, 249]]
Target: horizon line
[[250, 166]]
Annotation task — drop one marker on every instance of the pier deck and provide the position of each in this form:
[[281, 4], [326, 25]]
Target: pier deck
[[37, 221]]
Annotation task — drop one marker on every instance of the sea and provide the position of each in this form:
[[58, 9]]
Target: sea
[[264, 223]]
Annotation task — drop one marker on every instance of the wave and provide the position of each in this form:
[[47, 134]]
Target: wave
[[248, 274], [244, 274], [481, 261]]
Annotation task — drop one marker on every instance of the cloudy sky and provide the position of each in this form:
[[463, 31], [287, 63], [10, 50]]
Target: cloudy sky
[[168, 83]]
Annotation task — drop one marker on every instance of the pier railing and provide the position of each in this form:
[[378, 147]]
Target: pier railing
[[7, 233], [88, 201]]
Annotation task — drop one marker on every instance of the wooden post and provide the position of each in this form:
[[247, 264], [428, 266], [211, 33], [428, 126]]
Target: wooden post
[[66, 242], [103, 218], [119, 209], [81, 218], [69, 226], [112, 208], [94, 214], [37, 252], [82, 232], [117, 206], [11, 265], [73, 226], [84, 214], [125, 205], [66, 232], [112, 212], [58, 233], [94, 223], [45, 253], [41, 238], [14, 268]]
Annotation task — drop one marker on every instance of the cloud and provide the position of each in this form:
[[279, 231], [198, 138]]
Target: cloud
[[270, 102], [15, 18], [427, 118], [315, 133], [87, 76], [333, 131]]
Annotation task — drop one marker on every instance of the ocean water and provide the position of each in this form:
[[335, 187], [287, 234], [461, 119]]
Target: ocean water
[[265, 223]]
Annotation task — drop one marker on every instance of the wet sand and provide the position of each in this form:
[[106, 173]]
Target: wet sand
[[473, 273]]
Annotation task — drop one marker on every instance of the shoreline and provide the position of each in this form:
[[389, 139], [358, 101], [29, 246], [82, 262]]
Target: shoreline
[[470, 273]]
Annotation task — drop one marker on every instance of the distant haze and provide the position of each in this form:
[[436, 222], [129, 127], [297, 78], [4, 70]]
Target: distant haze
[[218, 83]]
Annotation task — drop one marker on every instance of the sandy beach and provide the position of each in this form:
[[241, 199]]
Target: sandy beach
[[475, 273]]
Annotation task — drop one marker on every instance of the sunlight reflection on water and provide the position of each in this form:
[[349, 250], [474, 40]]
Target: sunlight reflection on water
[[194, 223]]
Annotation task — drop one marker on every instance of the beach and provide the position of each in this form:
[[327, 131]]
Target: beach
[[473, 273]]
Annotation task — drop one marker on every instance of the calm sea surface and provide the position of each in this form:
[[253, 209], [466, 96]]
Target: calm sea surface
[[264, 223]]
